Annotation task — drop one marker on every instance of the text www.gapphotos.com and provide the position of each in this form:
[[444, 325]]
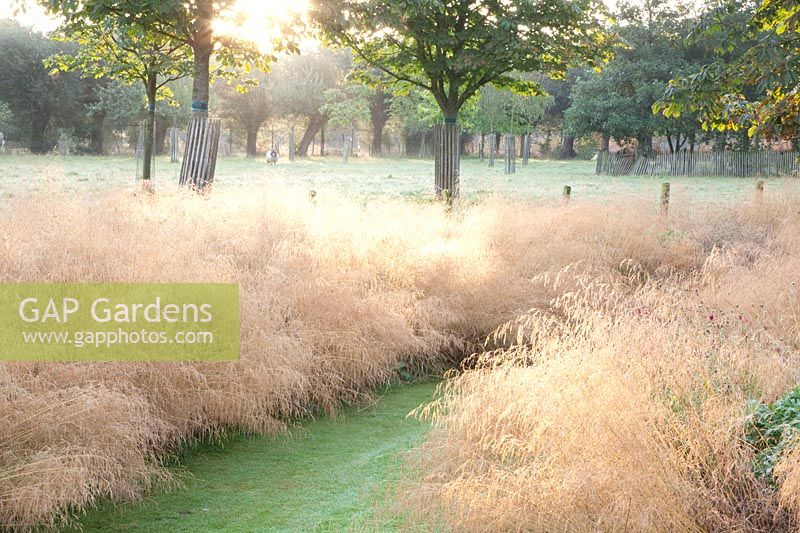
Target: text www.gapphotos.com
[[80, 339]]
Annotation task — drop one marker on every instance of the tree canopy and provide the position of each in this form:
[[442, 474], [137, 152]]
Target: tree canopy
[[751, 82], [617, 102], [452, 49]]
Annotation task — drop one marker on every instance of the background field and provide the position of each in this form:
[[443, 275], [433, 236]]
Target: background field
[[361, 177]]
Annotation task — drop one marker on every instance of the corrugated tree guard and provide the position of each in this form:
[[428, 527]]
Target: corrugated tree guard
[[526, 149], [200, 154], [173, 145], [492, 148], [142, 152], [511, 153], [447, 166]]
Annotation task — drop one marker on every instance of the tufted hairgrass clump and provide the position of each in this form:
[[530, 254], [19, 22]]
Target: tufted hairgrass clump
[[620, 402]]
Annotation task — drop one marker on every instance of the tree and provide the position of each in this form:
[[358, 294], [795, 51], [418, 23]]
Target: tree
[[181, 23], [249, 106], [6, 118], [112, 48], [415, 112], [452, 49], [617, 102], [380, 103], [298, 84], [346, 107], [503, 110], [119, 104], [560, 91], [34, 96], [175, 113], [750, 83]]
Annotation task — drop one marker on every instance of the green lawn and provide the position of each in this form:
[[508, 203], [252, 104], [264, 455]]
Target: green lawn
[[361, 177], [332, 474]]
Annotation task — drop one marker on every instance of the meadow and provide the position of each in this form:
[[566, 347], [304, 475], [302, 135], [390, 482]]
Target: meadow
[[602, 357], [359, 178]]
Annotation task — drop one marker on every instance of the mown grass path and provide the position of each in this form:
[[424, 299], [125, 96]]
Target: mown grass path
[[330, 475]]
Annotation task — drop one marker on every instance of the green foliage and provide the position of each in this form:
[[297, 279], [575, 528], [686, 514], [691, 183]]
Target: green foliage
[[501, 110], [298, 83], [415, 111], [250, 105], [452, 49], [6, 118], [39, 102], [113, 48], [751, 82], [772, 430], [347, 105], [179, 21], [618, 101]]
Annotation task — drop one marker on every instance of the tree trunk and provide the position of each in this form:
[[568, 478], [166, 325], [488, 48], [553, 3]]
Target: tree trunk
[[203, 46], [161, 135], [40, 119], [98, 123], [379, 114], [315, 124], [322, 140], [568, 147], [644, 146], [411, 141], [149, 133], [605, 141], [463, 141], [291, 139], [252, 140]]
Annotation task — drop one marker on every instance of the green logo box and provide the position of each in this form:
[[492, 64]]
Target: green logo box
[[119, 322]]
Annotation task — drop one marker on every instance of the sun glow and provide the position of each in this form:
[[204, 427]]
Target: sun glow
[[28, 14], [264, 23]]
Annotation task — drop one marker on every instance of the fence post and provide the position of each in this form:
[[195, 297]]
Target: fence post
[[567, 193], [665, 198]]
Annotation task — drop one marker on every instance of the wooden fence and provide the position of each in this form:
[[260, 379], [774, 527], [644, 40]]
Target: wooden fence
[[684, 163]]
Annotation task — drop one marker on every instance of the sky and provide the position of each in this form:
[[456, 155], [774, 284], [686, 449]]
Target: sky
[[251, 24], [32, 15], [247, 20]]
